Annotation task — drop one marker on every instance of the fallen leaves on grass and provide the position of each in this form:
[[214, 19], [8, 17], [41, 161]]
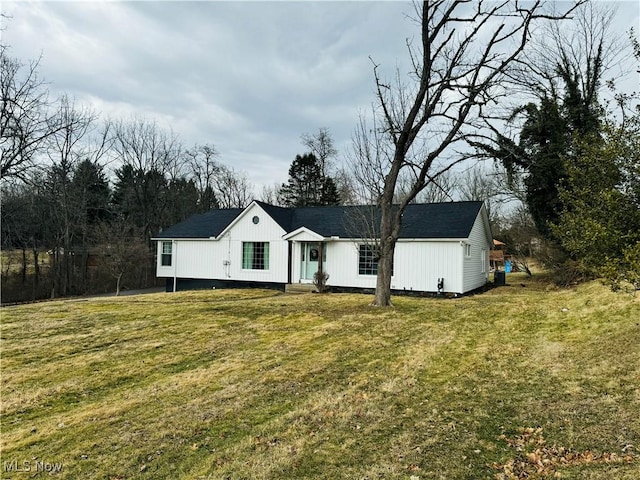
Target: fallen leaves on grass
[[535, 459]]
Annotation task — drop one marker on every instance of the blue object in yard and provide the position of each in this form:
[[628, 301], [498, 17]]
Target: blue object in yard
[[507, 266]]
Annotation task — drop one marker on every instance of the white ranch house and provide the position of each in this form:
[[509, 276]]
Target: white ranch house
[[267, 246]]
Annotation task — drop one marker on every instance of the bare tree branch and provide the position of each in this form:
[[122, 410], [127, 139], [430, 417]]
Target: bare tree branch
[[463, 60]]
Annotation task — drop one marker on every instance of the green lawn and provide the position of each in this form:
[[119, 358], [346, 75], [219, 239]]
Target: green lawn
[[518, 382]]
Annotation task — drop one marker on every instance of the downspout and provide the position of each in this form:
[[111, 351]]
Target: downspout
[[228, 265], [174, 247], [289, 261], [464, 266]]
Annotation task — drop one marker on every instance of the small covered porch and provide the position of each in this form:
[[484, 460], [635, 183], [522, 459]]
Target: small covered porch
[[307, 255]]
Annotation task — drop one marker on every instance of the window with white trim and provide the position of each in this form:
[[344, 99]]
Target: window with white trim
[[255, 255], [467, 249], [167, 252], [483, 260]]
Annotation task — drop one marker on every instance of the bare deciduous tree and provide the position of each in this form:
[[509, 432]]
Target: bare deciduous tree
[[67, 146], [150, 157], [219, 186], [587, 50], [233, 190], [482, 183], [269, 194], [146, 147], [347, 186], [458, 69], [202, 162], [123, 249], [25, 118], [321, 145], [368, 160]]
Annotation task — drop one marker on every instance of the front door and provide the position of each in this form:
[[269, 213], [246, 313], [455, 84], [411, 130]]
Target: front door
[[309, 260]]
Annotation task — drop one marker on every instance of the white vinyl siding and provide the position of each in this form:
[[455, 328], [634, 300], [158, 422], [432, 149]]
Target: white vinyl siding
[[193, 259], [476, 265], [420, 263], [417, 265]]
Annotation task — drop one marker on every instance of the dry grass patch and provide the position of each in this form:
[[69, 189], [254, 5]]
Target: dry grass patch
[[257, 384]]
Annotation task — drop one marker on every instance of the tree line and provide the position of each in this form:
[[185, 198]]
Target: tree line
[[77, 188]]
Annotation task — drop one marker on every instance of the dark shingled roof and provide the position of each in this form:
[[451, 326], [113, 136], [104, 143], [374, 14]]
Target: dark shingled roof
[[431, 220], [204, 225]]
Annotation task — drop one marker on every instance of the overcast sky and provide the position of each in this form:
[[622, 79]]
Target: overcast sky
[[249, 77]]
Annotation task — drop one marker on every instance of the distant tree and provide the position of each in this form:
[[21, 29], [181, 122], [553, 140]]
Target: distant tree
[[349, 190], [307, 187], [183, 200], [440, 188], [17, 221], [123, 249], [204, 168], [304, 186], [269, 194], [26, 226], [335, 185], [518, 231], [90, 187], [150, 158], [91, 194], [329, 193], [142, 198], [233, 188], [321, 145], [65, 149], [480, 183]]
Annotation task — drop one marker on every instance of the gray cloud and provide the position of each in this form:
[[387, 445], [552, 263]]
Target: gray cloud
[[250, 77]]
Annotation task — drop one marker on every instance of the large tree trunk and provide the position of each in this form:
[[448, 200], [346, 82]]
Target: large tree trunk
[[382, 296], [390, 221]]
